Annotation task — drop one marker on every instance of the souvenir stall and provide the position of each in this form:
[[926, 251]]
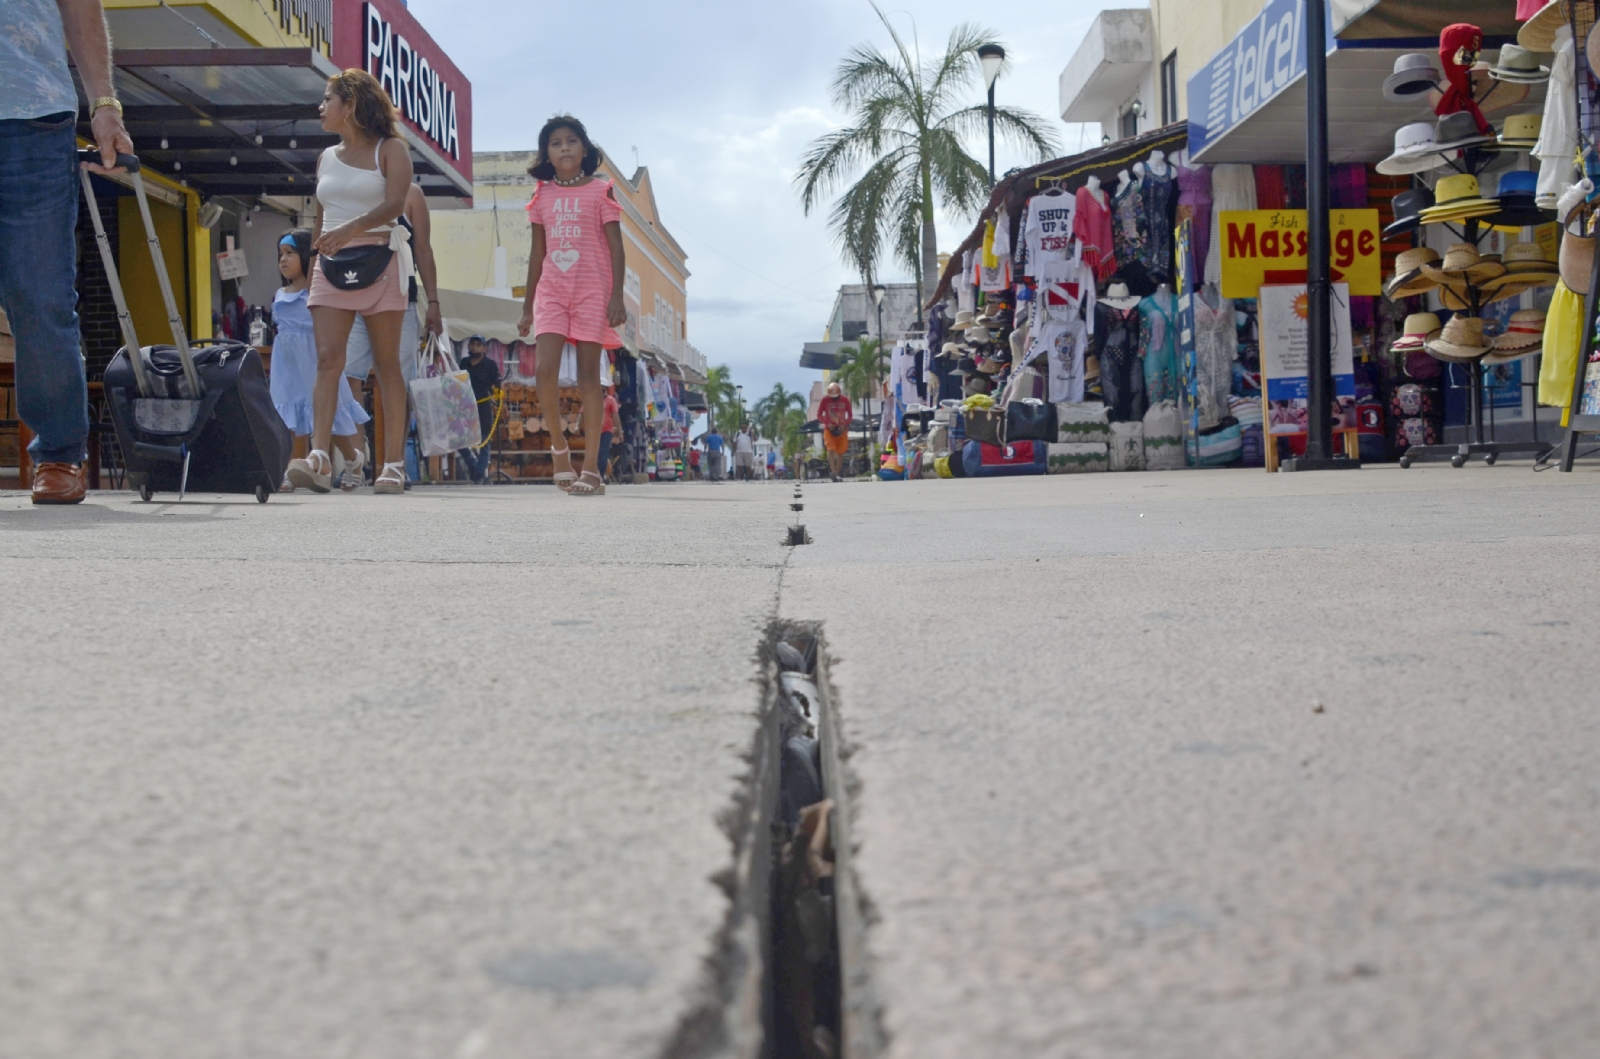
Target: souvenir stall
[[1053, 342], [1473, 285], [520, 444]]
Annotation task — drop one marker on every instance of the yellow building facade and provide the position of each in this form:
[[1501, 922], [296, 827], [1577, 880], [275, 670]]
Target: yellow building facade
[[485, 250]]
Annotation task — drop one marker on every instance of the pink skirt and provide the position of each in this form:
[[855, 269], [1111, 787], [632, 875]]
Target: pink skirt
[[387, 295]]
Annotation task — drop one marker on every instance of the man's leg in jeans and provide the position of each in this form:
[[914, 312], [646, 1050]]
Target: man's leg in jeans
[[38, 276]]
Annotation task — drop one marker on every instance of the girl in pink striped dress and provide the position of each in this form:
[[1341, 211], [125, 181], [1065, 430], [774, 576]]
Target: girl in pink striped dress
[[575, 274]]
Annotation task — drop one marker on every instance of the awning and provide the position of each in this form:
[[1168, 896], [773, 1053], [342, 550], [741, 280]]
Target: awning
[[465, 315], [695, 401], [212, 105], [1248, 104], [822, 356]]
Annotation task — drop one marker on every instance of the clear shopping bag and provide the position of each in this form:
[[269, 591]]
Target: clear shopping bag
[[445, 407]]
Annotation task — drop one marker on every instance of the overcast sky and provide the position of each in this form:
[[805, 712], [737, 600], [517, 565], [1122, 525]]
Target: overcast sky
[[720, 99]]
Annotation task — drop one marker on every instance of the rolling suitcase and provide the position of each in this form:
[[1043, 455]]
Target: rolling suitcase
[[187, 418]]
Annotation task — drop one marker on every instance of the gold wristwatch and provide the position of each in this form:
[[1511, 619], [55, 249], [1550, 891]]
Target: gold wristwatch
[[106, 101]]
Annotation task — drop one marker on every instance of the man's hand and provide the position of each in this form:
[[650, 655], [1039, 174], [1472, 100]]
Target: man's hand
[[111, 138]]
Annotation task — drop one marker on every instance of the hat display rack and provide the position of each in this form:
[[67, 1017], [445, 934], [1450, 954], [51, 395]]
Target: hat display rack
[[1465, 281], [1581, 17]]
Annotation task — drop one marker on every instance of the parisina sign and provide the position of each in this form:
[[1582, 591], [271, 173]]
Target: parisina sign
[[418, 90]]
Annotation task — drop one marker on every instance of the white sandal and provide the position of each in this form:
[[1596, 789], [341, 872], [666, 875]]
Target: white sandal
[[352, 479], [392, 479], [582, 487], [315, 472], [564, 479]]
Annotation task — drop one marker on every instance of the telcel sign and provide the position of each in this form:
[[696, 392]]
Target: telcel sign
[[417, 89]]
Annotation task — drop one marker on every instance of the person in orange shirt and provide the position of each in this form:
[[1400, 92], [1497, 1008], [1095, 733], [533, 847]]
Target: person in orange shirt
[[834, 412]]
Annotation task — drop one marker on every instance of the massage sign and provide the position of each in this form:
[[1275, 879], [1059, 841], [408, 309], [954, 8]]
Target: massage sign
[[1265, 247]]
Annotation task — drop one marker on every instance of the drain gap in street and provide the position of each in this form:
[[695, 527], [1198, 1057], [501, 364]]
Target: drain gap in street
[[789, 975]]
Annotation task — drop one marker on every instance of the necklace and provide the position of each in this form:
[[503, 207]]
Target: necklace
[[574, 182]]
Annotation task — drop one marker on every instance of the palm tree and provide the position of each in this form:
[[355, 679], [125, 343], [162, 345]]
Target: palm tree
[[861, 369], [722, 401], [771, 412], [910, 133]]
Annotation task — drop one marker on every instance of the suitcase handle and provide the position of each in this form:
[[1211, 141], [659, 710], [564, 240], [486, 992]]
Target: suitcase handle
[[90, 156]]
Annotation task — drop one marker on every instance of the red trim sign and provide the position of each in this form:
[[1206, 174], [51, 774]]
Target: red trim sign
[[1263, 247], [434, 99]]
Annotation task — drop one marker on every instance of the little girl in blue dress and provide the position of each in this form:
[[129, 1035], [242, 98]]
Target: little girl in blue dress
[[294, 364]]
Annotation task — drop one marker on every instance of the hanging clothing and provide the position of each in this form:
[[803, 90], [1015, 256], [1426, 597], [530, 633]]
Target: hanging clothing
[[1002, 233], [1216, 341], [1160, 201], [1064, 342], [1091, 225], [1067, 292], [1271, 192], [1116, 344], [966, 286], [1194, 205], [1130, 229], [1161, 375], [1048, 235], [1563, 338], [1233, 187], [1558, 134]]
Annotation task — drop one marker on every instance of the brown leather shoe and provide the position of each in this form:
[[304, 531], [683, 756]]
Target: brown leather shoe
[[58, 483]]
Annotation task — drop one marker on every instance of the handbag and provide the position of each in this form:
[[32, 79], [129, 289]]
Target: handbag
[[1029, 419], [446, 407], [985, 424], [355, 267]]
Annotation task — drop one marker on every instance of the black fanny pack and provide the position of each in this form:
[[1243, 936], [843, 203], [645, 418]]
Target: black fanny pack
[[355, 267]]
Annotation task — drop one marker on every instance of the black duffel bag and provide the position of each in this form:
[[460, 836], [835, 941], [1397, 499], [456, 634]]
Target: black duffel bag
[[1030, 419]]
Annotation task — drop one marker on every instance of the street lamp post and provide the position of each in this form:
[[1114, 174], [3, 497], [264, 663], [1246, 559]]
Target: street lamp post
[[878, 291], [992, 57]]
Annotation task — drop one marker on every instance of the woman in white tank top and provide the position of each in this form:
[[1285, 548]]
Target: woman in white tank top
[[361, 187]]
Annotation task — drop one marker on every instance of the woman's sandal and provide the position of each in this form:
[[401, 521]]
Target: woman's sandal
[[564, 479], [392, 479], [352, 477], [582, 486], [315, 472]]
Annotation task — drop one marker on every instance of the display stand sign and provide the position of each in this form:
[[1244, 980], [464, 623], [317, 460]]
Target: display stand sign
[[1285, 340], [231, 263]]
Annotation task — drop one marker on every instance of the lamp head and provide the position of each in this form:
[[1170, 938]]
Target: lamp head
[[992, 57], [877, 294]]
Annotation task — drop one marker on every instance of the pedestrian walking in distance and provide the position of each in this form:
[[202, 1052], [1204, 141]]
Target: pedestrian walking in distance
[[39, 217], [575, 273], [485, 376], [364, 265], [294, 362], [834, 413], [744, 453]]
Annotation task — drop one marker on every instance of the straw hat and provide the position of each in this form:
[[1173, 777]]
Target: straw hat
[[978, 336], [950, 349], [1463, 267], [1418, 328], [1526, 267], [1408, 205], [1461, 340], [1408, 280], [1457, 198], [962, 322], [1524, 333], [1416, 150], [1517, 63], [1521, 130], [1414, 75], [1539, 32]]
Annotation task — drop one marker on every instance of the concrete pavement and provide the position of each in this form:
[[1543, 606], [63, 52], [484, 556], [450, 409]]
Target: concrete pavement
[[1150, 765]]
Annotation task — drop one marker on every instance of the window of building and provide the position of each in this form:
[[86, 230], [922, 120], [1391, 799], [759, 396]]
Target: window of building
[[854, 329], [1128, 126], [1169, 89]]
